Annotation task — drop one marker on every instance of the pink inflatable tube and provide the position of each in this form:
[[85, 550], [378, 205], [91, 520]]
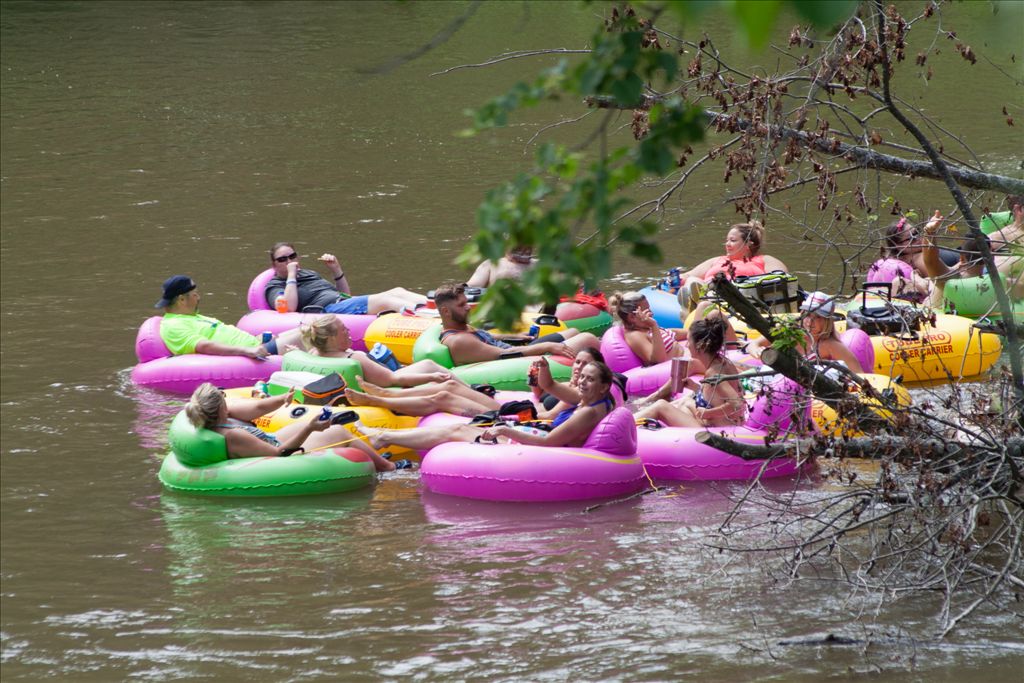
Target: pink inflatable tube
[[617, 354], [258, 322], [860, 346], [887, 270], [158, 369], [672, 453], [605, 466]]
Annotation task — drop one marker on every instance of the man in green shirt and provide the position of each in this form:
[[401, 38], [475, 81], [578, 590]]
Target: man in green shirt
[[184, 330]]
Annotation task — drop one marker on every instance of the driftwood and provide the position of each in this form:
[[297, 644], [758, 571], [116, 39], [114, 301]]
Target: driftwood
[[869, 447]]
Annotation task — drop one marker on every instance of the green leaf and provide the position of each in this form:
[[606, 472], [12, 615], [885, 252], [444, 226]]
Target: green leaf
[[756, 18], [628, 91], [825, 13]]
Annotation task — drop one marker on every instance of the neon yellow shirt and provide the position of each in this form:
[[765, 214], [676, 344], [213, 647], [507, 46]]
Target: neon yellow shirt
[[182, 332]]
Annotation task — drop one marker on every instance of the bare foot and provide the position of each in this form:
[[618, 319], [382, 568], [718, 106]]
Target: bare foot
[[373, 389], [358, 398], [374, 437]]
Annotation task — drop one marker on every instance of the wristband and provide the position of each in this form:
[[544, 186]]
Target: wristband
[[339, 277], [290, 282]]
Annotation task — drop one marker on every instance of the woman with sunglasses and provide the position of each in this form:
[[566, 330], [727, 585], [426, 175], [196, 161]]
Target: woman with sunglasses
[[822, 342], [208, 408], [304, 288]]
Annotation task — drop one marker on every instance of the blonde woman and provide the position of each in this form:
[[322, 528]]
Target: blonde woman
[[425, 386], [649, 341], [208, 408]]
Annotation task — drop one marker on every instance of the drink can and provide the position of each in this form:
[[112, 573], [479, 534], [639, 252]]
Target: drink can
[[534, 330], [267, 336]]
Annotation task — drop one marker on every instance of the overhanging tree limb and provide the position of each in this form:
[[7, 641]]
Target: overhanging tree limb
[[862, 156]]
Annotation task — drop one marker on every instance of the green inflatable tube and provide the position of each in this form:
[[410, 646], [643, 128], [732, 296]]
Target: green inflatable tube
[[596, 325], [508, 374], [429, 345], [198, 464], [991, 222], [974, 296], [301, 361]]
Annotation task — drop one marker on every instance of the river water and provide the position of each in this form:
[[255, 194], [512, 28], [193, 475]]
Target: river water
[[141, 140]]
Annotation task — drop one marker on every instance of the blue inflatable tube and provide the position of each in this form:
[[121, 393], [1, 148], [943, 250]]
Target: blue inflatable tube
[[664, 306]]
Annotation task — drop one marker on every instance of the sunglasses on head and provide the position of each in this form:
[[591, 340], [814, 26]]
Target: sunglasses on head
[[284, 259]]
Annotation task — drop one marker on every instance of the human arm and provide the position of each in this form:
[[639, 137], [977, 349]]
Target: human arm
[[337, 274], [575, 430], [481, 276], [242, 444], [563, 392], [646, 341], [213, 348], [468, 348], [251, 409], [934, 266]]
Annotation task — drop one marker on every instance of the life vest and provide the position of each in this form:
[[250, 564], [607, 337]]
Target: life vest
[[733, 267]]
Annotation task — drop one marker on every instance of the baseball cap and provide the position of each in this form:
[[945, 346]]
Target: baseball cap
[[175, 286], [820, 303]]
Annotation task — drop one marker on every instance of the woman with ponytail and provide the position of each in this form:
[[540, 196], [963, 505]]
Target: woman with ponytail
[[743, 245], [714, 404]]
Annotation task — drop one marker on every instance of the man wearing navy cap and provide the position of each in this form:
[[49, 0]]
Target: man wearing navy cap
[[185, 331]]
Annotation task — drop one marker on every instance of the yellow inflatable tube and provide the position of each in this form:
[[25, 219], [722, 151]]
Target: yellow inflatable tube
[[831, 424], [371, 416], [399, 332]]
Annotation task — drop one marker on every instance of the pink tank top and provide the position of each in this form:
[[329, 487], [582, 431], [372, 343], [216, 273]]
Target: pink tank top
[[732, 267]]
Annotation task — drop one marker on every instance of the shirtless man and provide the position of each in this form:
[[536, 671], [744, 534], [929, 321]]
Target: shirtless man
[[470, 345], [511, 266]]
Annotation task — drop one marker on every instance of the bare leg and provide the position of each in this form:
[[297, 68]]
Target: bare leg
[[671, 415], [581, 340], [393, 300], [338, 433], [452, 386], [420, 438], [289, 338], [423, 366], [442, 401]]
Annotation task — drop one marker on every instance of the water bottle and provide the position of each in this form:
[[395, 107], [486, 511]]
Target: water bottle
[[281, 304], [673, 280]]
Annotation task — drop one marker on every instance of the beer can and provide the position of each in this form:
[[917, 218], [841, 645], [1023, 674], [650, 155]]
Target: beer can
[[267, 336]]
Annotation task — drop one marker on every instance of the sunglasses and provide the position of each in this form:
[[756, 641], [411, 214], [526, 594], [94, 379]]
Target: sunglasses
[[285, 259]]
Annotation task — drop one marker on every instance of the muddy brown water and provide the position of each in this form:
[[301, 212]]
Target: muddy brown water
[[144, 139]]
